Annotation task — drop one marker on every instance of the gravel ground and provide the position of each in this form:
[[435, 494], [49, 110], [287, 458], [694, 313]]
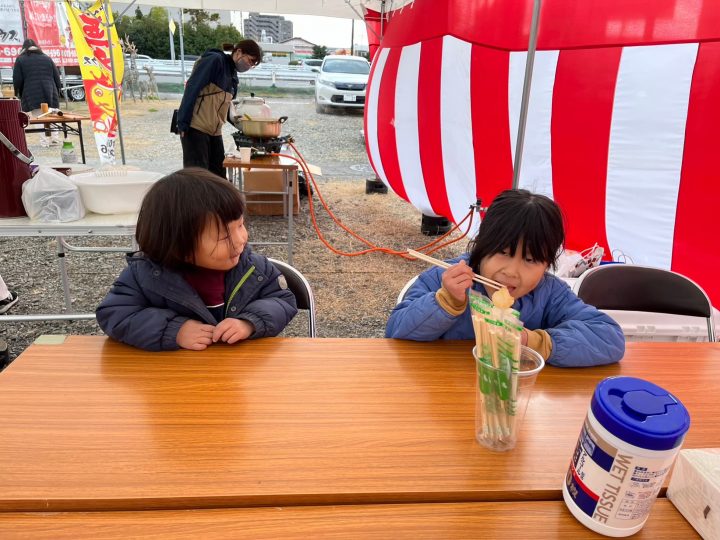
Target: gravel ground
[[354, 295]]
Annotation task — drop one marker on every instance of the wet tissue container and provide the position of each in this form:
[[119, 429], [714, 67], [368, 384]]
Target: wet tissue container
[[695, 489], [632, 433]]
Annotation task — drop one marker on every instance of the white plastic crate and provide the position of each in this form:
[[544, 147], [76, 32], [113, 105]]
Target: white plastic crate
[[648, 326]]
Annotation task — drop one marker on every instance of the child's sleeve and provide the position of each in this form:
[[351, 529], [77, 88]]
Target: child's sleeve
[[581, 335], [273, 307], [420, 316], [125, 314]]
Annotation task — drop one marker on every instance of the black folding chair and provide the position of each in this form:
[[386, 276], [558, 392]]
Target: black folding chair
[[300, 287], [627, 287]]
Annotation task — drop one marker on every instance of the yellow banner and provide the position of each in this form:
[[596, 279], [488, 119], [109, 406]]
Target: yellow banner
[[90, 34]]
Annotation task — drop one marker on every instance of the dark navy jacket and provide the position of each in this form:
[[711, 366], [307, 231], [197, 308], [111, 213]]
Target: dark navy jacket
[[148, 303], [581, 335], [214, 66]]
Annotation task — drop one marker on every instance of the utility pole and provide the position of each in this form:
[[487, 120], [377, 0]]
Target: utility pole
[[170, 33], [352, 37]]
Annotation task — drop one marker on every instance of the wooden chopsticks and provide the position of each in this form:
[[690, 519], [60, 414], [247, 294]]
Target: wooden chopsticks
[[442, 264]]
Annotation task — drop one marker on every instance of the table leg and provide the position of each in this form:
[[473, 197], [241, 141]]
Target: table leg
[[62, 268], [82, 143], [289, 175]]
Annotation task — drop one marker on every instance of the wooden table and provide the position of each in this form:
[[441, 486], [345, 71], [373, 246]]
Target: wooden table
[[548, 520], [55, 122], [95, 425], [289, 168]]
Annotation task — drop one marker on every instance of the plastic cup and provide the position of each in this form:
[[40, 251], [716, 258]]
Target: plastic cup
[[501, 399], [245, 153], [44, 107]]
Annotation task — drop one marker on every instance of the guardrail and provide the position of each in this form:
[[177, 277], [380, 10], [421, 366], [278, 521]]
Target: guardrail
[[273, 74], [264, 72]]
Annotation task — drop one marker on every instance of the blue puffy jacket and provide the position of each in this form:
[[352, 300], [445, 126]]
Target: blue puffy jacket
[[148, 303], [581, 335]]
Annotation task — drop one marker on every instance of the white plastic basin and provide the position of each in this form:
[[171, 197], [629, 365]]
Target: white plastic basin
[[116, 193]]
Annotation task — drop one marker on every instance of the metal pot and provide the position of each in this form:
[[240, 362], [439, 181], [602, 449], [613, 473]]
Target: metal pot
[[263, 127]]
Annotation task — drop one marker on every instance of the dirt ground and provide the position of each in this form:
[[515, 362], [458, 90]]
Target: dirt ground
[[354, 294]]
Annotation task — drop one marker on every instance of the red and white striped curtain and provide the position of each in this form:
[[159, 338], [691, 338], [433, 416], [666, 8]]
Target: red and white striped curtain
[[375, 23], [622, 128]]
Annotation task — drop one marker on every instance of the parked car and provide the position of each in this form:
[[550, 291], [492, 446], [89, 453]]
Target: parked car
[[73, 84], [139, 59], [341, 82], [311, 64]]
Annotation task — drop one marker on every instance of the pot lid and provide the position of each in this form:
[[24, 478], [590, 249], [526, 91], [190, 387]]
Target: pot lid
[[251, 101]]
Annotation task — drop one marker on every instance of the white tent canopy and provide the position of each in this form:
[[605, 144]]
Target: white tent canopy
[[346, 9]]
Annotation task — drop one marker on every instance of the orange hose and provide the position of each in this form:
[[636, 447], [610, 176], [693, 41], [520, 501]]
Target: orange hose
[[435, 244]]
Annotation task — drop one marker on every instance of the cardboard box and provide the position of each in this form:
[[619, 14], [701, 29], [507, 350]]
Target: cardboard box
[[266, 204], [695, 489]]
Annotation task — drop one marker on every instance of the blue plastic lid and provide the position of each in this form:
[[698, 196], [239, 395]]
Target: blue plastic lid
[[640, 413]]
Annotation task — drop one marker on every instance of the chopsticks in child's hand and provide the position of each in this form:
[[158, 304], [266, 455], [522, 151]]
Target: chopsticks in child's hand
[[442, 264]]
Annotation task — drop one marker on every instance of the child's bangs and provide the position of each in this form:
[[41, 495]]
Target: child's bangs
[[532, 227], [542, 237]]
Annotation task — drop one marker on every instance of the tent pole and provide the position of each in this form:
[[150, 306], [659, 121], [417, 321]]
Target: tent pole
[[382, 20], [114, 82], [530, 61]]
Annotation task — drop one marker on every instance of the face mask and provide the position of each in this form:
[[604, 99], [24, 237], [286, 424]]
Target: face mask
[[242, 66]]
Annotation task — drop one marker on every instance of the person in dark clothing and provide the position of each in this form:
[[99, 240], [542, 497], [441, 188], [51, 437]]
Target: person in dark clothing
[[196, 281], [36, 80], [204, 107]]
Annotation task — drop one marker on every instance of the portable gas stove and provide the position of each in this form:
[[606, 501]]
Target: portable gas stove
[[261, 146]]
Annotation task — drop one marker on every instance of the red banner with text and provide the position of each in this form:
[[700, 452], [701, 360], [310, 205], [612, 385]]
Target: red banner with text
[[44, 21]]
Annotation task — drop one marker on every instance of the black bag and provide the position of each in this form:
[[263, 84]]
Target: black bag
[[173, 123]]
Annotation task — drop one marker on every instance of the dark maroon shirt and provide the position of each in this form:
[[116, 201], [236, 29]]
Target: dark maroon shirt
[[210, 285]]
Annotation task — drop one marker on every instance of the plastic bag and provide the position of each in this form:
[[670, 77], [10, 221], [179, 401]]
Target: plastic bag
[[50, 196], [567, 263], [572, 263]]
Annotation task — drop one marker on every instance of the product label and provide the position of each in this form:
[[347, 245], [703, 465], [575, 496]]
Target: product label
[[614, 487]]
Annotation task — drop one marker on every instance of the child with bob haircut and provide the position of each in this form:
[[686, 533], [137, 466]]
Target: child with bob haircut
[[195, 281], [518, 240]]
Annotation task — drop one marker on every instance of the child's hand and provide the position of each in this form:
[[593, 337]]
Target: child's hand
[[457, 279], [195, 335], [232, 330]]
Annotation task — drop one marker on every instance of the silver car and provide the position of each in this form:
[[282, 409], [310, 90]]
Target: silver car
[[341, 82]]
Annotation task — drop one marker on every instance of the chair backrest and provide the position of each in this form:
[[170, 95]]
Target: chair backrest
[[300, 287], [627, 287], [405, 289]]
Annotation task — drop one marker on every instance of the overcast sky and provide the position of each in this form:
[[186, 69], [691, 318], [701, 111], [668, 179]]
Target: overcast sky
[[328, 31]]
